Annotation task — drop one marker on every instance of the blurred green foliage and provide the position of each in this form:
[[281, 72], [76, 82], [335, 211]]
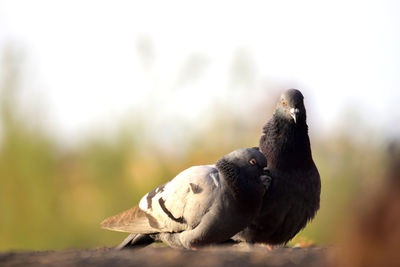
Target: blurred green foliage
[[53, 197]]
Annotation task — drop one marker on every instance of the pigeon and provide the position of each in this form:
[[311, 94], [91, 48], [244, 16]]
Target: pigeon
[[202, 205], [292, 199]]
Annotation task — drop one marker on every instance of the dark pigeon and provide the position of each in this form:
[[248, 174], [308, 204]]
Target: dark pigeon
[[202, 205], [293, 197]]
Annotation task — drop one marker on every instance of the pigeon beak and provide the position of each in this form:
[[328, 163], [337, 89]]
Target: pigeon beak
[[293, 113]]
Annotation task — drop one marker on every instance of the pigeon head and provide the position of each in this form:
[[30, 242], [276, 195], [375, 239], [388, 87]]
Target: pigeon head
[[243, 163], [291, 106]]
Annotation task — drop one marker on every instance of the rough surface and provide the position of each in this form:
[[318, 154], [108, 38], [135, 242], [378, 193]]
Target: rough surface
[[164, 256]]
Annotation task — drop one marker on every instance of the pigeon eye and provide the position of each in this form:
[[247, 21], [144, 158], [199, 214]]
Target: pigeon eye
[[283, 103], [252, 162]]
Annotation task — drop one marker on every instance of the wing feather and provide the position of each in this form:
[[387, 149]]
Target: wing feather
[[173, 207]]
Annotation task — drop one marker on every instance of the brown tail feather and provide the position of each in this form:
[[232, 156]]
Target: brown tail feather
[[133, 220]]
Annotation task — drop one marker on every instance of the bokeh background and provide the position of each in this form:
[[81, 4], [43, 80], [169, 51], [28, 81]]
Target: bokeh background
[[101, 101]]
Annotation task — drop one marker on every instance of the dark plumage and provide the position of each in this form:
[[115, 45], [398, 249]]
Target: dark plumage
[[293, 196], [200, 206]]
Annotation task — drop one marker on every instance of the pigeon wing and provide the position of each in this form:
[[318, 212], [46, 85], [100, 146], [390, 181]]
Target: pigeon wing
[[173, 207]]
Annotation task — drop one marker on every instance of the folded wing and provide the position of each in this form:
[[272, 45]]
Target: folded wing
[[172, 207]]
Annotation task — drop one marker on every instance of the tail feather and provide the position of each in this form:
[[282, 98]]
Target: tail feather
[[133, 220], [135, 240]]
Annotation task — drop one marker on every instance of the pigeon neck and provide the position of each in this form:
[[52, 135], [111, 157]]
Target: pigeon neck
[[288, 144], [240, 188], [227, 170], [230, 177]]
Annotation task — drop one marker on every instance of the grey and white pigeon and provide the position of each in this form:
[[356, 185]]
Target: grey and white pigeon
[[202, 205], [292, 199]]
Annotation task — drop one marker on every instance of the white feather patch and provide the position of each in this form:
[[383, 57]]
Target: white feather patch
[[143, 203]]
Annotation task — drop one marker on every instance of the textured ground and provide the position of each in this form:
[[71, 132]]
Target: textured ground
[[163, 256]]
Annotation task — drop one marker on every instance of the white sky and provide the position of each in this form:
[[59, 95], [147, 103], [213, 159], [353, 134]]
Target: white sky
[[83, 61]]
